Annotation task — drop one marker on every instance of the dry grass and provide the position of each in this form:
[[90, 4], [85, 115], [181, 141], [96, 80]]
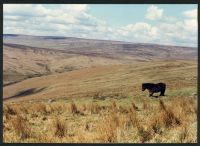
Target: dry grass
[[155, 124], [108, 130], [145, 105], [133, 119], [60, 128], [42, 108], [167, 116], [84, 108], [134, 106], [184, 134], [10, 110], [74, 109], [145, 135], [95, 108], [111, 123], [21, 127]]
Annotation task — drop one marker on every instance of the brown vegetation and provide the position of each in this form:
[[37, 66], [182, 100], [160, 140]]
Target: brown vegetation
[[111, 123]]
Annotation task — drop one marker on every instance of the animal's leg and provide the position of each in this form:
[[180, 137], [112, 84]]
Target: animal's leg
[[162, 93], [150, 94]]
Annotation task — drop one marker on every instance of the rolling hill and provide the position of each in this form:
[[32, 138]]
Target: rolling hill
[[30, 56], [107, 79]]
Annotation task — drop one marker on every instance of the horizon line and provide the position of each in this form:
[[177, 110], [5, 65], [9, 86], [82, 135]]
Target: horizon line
[[100, 40]]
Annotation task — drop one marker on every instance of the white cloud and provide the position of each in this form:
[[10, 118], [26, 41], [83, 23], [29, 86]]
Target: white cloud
[[154, 13], [171, 31], [76, 21], [190, 13], [75, 8], [182, 32], [68, 20], [139, 32], [24, 10], [191, 25]]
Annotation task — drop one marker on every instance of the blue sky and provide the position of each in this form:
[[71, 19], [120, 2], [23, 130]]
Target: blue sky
[[169, 24], [120, 15]]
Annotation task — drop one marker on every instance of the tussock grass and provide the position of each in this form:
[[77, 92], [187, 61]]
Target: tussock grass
[[10, 110], [60, 128], [167, 115], [155, 124], [21, 127], [108, 130], [41, 108], [134, 106], [145, 105], [184, 134], [95, 108], [145, 134], [114, 107], [74, 109]]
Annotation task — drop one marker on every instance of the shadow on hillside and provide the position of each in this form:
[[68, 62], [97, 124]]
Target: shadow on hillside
[[26, 92]]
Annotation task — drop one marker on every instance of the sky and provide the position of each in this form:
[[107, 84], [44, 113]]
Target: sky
[[168, 24]]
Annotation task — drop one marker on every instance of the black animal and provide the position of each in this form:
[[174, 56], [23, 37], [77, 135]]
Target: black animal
[[154, 88]]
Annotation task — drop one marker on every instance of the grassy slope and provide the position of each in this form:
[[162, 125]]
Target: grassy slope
[[112, 119], [107, 79], [21, 63]]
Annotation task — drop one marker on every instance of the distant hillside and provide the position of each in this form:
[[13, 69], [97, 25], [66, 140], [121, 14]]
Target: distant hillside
[[29, 56], [106, 48]]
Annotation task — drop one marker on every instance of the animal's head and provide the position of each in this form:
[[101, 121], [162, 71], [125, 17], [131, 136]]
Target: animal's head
[[143, 87]]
